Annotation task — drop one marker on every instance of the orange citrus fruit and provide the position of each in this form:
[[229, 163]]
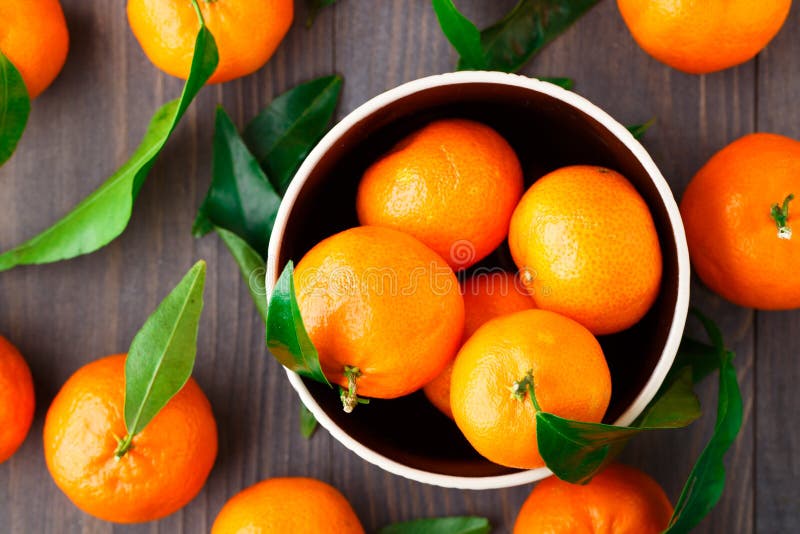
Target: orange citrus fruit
[[452, 185], [34, 37], [164, 469], [569, 372], [701, 37], [739, 212], [247, 33], [586, 245], [379, 301], [618, 500], [16, 399], [287, 505], [486, 295]]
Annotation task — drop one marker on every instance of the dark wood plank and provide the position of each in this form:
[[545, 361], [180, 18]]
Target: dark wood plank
[[777, 470]]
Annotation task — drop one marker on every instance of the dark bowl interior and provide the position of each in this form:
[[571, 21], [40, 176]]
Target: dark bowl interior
[[546, 134]]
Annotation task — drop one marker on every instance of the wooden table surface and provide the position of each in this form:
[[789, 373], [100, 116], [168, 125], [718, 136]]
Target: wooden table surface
[[64, 315]]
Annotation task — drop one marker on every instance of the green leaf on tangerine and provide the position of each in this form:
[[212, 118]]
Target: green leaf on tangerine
[[161, 357], [287, 338]]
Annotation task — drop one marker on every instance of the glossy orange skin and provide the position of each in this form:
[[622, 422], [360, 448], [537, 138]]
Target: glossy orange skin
[[380, 300], [165, 468], [247, 33], [486, 296], [34, 37], [733, 240], [586, 246], [452, 185], [570, 373], [17, 399], [287, 505], [703, 36], [618, 500]]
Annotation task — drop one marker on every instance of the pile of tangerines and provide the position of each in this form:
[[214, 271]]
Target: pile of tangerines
[[383, 304]]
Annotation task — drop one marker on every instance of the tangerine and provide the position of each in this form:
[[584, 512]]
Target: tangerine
[[287, 505], [453, 185], [247, 33], [562, 360], [586, 245], [35, 39], [618, 500], [166, 466], [701, 37], [381, 308], [739, 212], [17, 400]]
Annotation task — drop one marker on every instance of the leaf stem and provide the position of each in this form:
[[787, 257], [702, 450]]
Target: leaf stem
[[349, 396], [780, 214]]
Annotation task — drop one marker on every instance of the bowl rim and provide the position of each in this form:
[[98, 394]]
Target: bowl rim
[[570, 98]]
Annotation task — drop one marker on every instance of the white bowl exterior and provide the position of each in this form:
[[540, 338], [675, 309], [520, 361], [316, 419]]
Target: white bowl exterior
[[457, 78]]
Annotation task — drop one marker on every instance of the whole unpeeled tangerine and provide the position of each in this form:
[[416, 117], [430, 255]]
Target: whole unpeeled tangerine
[[380, 301], [246, 32], [452, 185], [290, 505], [166, 466], [35, 39], [570, 376], [618, 500], [586, 246], [737, 246], [703, 36], [17, 400]]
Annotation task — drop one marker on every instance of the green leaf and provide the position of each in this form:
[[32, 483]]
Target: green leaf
[[575, 451], [566, 83], [252, 267], [103, 216], [706, 482], [638, 130], [308, 423], [240, 198], [15, 106], [162, 354], [282, 135], [287, 338], [440, 525], [532, 24], [674, 406], [462, 34], [314, 7]]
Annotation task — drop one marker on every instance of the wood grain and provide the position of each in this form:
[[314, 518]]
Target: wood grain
[[64, 315], [777, 467]]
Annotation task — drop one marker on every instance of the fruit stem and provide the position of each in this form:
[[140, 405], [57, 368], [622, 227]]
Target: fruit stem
[[123, 446], [349, 396], [523, 386], [780, 214]]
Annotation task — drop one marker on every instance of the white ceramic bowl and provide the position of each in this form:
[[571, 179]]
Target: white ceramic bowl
[[549, 127]]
